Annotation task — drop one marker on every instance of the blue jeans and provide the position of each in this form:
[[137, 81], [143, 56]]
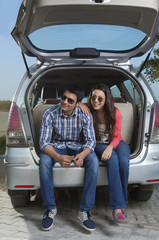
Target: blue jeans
[[91, 164], [117, 172]]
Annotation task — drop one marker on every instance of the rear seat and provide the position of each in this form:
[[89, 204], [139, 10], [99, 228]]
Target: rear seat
[[49, 96], [127, 126], [126, 109], [127, 120]]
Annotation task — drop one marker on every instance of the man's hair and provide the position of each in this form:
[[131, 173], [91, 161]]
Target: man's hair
[[78, 91]]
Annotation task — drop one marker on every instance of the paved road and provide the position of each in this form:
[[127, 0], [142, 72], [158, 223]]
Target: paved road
[[24, 223]]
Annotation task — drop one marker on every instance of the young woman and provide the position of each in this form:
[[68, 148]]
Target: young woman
[[110, 147]]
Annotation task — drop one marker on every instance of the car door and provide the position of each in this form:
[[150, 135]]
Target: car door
[[117, 29]]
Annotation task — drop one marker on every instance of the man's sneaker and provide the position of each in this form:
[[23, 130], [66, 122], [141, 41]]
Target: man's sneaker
[[85, 218], [48, 219]]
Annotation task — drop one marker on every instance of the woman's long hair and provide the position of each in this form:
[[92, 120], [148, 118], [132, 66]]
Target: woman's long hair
[[109, 111]]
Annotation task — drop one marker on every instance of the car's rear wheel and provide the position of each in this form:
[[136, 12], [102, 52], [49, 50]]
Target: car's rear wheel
[[138, 194], [19, 198]]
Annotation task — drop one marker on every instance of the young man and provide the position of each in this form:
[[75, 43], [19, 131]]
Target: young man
[[60, 133]]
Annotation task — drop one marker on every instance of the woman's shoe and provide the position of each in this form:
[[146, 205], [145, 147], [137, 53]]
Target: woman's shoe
[[119, 217], [123, 212]]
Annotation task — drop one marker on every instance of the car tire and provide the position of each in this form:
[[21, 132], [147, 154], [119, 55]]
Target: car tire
[[19, 198], [137, 194]]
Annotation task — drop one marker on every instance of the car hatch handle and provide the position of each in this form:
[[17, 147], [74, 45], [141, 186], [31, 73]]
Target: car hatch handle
[[85, 53]]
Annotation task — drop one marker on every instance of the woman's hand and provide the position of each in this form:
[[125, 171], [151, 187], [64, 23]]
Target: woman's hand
[[107, 153], [84, 108]]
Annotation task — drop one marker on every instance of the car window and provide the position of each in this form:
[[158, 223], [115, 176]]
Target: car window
[[132, 91], [115, 92], [99, 36]]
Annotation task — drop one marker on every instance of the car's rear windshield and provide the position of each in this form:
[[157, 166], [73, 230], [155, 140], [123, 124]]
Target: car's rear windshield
[[101, 37]]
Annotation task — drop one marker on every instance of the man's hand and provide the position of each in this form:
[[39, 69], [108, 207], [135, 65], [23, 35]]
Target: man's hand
[[65, 160], [78, 160]]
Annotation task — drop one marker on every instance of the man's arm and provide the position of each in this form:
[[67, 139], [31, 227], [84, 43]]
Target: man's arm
[[46, 129], [89, 134], [64, 160], [45, 139], [90, 142]]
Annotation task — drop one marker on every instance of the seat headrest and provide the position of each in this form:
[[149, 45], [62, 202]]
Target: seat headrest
[[49, 92], [51, 101]]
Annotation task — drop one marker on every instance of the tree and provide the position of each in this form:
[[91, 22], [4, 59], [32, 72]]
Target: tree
[[151, 68], [5, 105]]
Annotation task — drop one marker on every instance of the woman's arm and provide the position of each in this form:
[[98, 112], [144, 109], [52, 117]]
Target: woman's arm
[[116, 137], [117, 129], [107, 152]]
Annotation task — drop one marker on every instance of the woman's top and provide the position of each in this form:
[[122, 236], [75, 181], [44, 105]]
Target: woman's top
[[117, 131], [102, 136]]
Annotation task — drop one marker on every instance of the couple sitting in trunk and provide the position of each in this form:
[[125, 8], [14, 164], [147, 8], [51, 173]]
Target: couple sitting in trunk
[[60, 132]]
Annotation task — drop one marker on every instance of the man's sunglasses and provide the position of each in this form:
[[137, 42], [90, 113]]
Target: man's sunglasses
[[70, 100], [100, 99]]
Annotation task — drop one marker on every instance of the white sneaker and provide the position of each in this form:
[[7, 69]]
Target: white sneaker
[[48, 219], [85, 218]]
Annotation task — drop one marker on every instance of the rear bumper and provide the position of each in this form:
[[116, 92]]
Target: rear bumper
[[73, 177], [28, 174]]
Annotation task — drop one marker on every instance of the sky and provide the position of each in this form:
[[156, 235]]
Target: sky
[[12, 67]]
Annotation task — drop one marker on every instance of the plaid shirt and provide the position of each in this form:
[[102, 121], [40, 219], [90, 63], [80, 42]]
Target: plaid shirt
[[61, 131]]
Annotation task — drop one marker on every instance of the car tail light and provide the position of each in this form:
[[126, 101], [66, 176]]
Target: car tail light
[[24, 186], [15, 133], [155, 128]]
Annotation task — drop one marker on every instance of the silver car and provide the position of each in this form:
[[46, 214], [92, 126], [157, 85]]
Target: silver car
[[83, 42]]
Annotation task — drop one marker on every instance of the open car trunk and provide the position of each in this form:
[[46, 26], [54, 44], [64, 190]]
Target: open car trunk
[[129, 98]]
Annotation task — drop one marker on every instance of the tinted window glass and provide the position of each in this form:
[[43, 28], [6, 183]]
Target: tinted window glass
[[101, 37], [115, 92], [132, 91]]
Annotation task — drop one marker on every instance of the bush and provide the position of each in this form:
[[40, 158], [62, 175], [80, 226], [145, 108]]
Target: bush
[[3, 141], [5, 105], [2, 150], [2, 145]]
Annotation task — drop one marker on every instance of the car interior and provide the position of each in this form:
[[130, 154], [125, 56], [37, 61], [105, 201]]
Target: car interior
[[128, 96]]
